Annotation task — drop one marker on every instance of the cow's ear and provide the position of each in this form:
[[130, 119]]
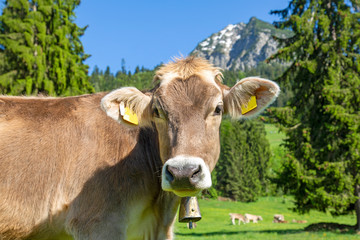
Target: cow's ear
[[249, 97], [128, 106]]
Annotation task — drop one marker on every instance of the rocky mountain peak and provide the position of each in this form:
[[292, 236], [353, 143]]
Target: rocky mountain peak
[[241, 46]]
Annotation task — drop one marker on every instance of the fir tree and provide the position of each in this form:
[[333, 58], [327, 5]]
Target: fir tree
[[228, 174], [241, 172], [41, 49], [322, 119], [106, 81], [96, 79]]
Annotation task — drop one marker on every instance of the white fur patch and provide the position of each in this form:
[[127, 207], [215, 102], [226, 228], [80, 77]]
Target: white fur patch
[[179, 162], [168, 77], [209, 76]]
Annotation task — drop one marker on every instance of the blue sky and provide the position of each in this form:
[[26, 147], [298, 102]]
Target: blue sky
[[146, 33]]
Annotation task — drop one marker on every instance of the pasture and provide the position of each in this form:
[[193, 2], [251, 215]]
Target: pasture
[[277, 150], [216, 224]]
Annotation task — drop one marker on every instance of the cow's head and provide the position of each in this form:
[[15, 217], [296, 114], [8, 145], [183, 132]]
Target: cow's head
[[186, 107]]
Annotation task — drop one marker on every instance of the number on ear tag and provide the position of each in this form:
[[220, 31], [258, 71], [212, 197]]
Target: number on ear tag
[[250, 106], [128, 115]]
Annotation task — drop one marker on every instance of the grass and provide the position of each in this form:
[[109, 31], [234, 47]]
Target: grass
[[277, 150], [216, 224], [274, 136]]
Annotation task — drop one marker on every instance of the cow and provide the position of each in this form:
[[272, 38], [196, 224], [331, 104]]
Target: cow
[[77, 167], [237, 216], [278, 218], [254, 218]]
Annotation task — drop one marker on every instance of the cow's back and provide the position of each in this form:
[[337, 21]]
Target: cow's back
[[49, 148]]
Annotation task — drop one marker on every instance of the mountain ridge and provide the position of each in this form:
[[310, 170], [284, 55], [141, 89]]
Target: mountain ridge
[[241, 46]]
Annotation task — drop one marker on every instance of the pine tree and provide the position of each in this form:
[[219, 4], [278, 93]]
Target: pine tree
[[228, 174], [96, 79], [323, 118], [241, 172], [41, 49]]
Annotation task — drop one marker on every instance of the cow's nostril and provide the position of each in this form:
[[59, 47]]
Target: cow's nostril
[[196, 172], [169, 174], [196, 175], [183, 177]]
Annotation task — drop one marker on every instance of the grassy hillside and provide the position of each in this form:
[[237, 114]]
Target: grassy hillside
[[275, 139], [216, 224]]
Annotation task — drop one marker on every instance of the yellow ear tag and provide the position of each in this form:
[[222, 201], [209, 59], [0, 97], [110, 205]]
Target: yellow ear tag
[[128, 115], [250, 106]]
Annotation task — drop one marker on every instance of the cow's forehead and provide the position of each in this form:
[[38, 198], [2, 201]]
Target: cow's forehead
[[186, 67], [196, 91], [208, 76]]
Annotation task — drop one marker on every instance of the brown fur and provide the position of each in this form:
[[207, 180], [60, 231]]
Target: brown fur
[[68, 168], [65, 172], [187, 105]]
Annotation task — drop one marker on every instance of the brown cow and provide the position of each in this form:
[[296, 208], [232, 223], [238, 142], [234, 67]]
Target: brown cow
[[68, 169]]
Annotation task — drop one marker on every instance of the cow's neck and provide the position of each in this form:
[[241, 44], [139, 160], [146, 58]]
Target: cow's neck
[[158, 211], [148, 139]]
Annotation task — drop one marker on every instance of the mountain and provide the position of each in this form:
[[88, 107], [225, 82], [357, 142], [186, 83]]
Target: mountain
[[241, 46]]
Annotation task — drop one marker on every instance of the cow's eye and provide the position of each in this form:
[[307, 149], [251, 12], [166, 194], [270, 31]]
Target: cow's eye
[[159, 113], [156, 113], [219, 109]]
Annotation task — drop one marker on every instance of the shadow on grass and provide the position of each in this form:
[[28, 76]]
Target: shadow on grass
[[332, 227], [316, 227], [204, 234]]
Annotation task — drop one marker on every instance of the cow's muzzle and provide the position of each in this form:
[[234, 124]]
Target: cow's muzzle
[[185, 175]]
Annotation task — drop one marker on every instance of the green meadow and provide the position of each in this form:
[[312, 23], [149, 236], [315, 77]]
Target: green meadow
[[275, 138], [216, 223]]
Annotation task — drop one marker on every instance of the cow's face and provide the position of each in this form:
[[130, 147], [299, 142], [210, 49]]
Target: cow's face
[[187, 114], [186, 108]]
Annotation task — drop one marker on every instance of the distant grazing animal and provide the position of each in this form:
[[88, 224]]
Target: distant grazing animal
[[237, 216], [299, 221], [224, 199], [278, 218], [89, 168], [254, 218]]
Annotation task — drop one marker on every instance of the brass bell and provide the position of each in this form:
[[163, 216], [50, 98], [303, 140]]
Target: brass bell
[[189, 210]]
